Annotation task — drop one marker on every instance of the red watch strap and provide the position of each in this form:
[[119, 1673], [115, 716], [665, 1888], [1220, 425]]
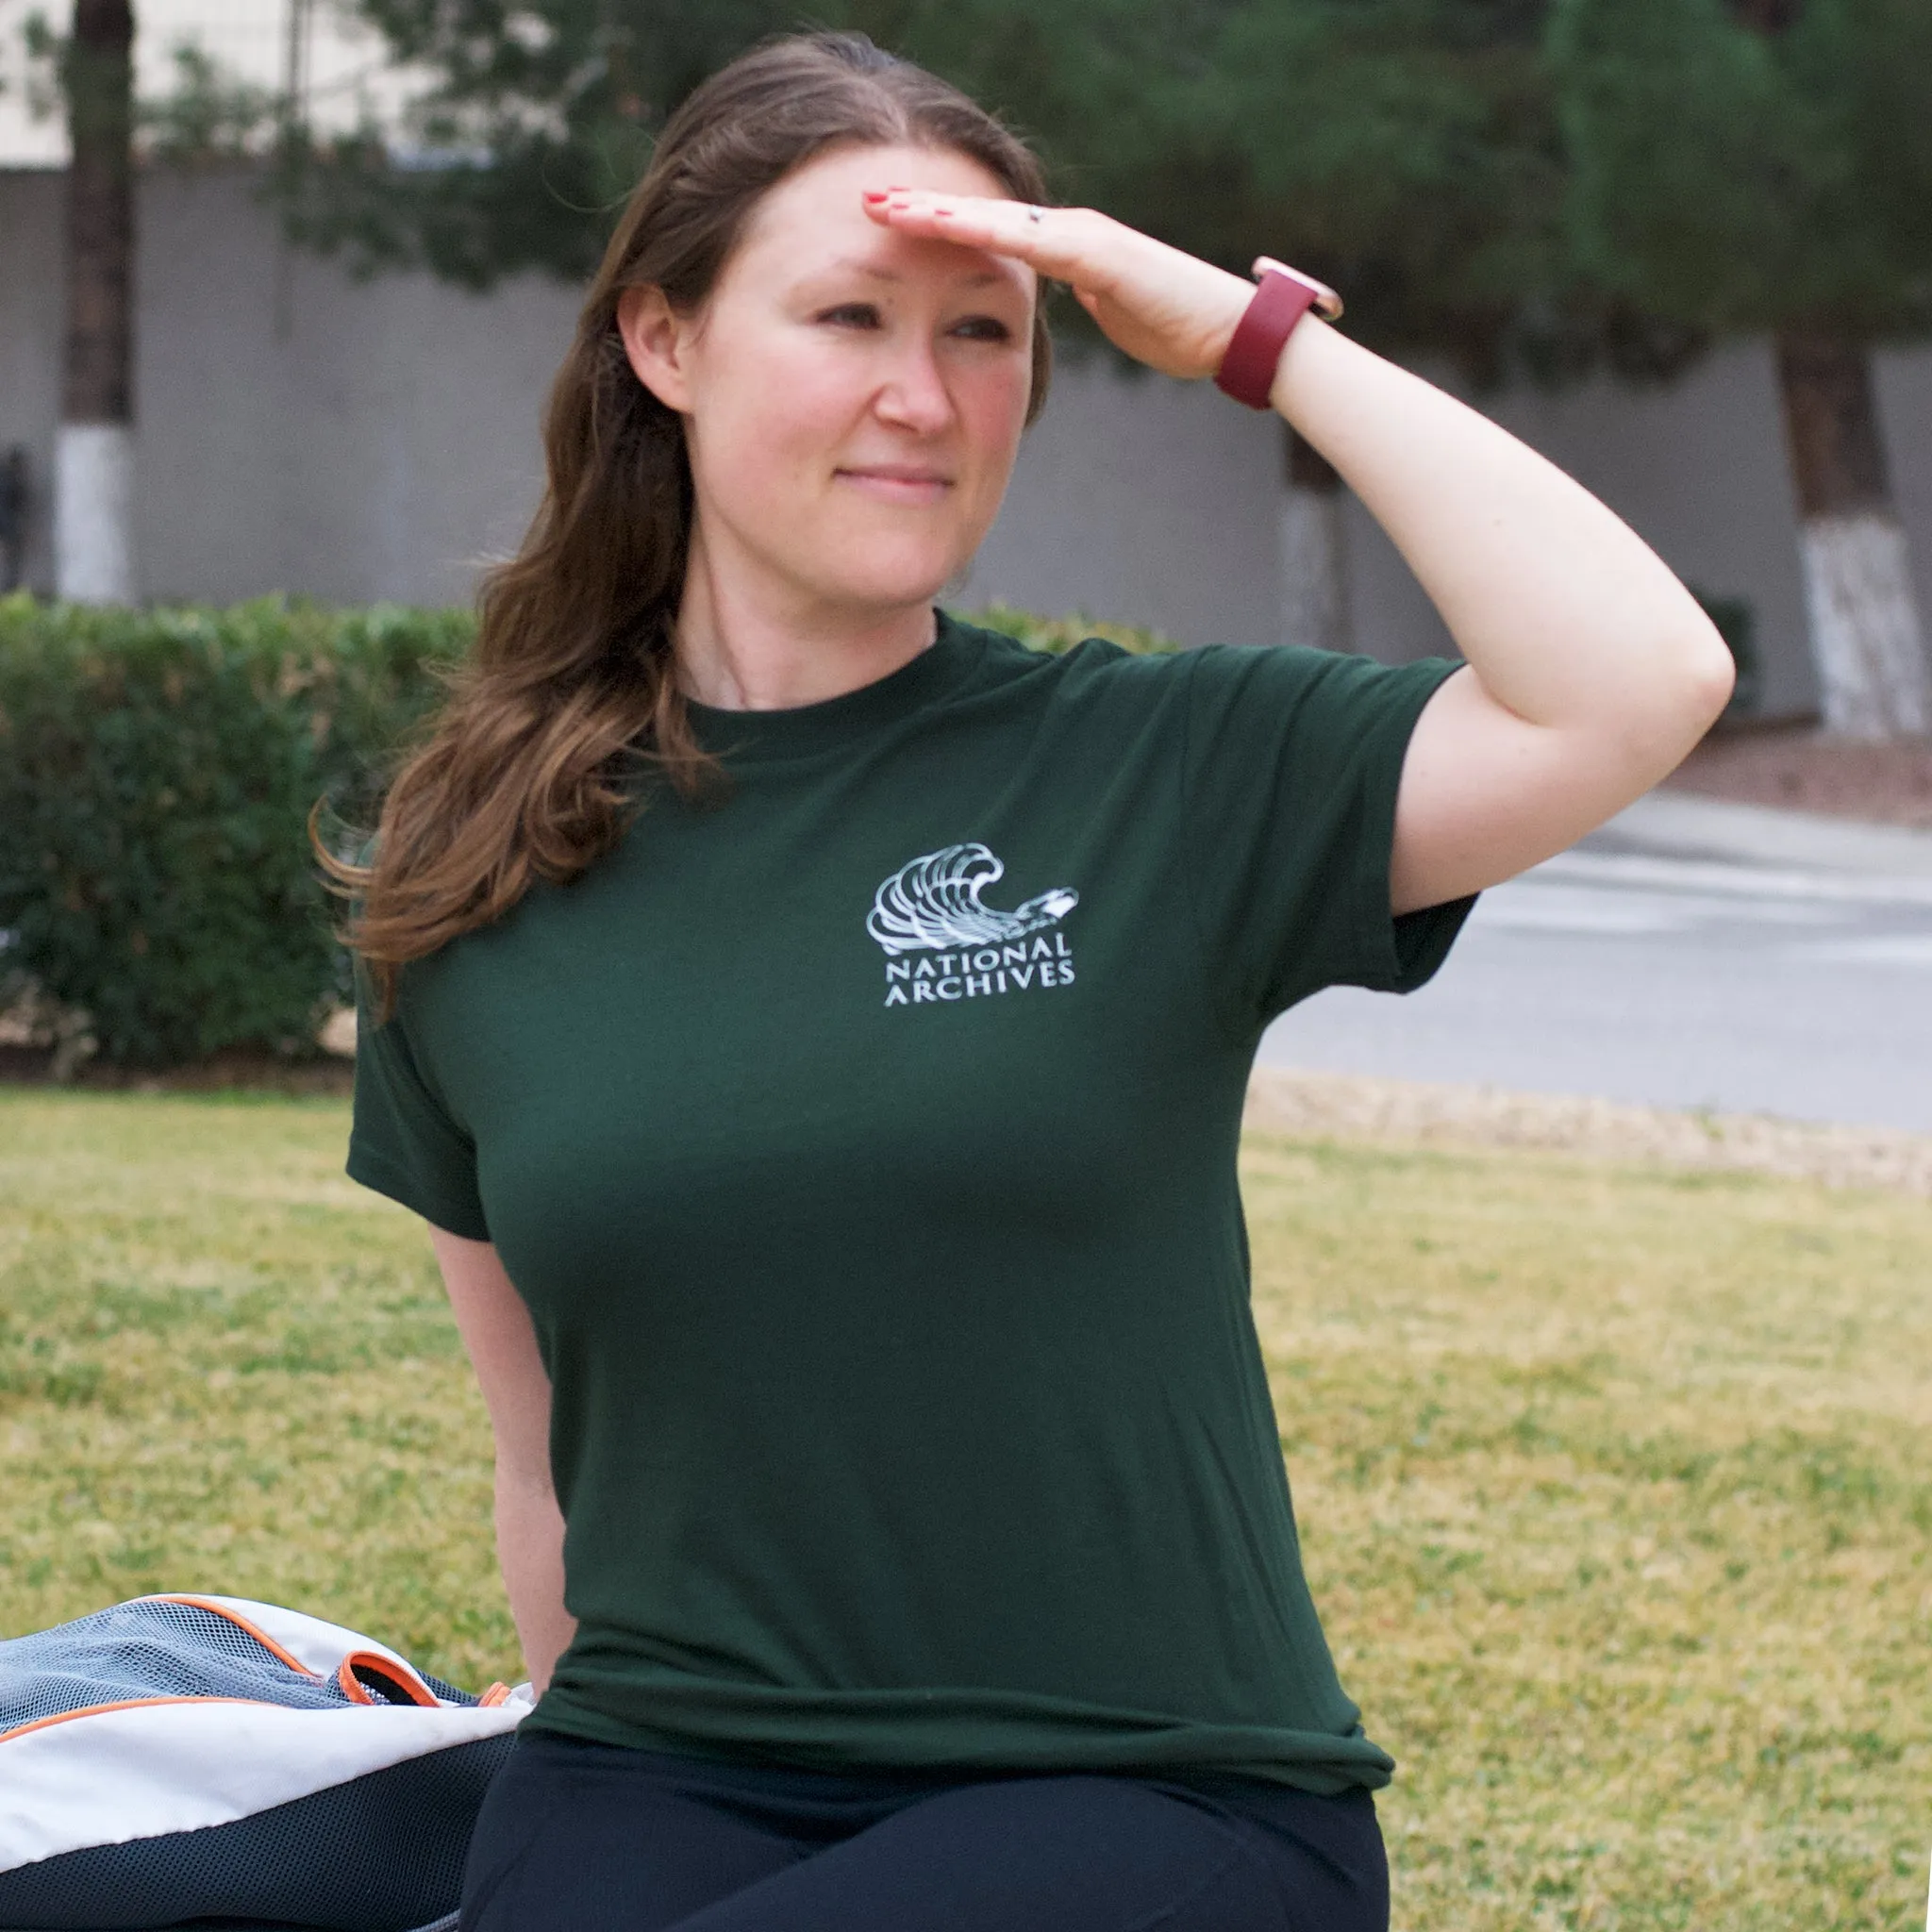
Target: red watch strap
[[1254, 351]]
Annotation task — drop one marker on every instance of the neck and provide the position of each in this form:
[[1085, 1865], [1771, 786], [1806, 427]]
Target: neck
[[749, 644]]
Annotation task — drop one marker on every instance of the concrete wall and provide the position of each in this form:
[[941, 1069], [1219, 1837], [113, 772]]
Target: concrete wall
[[301, 431], [296, 430], [30, 317]]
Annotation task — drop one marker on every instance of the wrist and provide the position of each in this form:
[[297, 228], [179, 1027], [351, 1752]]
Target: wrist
[[1306, 355], [1236, 296], [1269, 319]]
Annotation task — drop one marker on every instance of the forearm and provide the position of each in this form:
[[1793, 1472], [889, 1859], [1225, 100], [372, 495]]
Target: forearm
[[529, 1551], [1566, 615], [1592, 669]]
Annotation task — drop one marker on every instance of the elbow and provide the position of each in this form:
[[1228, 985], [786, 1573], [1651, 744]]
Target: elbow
[[1682, 693], [1713, 677], [1703, 676], [523, 1486]]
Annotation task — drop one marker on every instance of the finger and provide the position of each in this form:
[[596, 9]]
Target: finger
[[1058, 242], [1006, 227]]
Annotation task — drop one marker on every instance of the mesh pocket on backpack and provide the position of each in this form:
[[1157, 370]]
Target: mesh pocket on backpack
[[147, 1649]]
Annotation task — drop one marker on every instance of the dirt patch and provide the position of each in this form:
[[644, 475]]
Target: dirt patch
[[261, 1073], [46, 1044], [1333, 1106], [1806, 770], [1351, 1107]]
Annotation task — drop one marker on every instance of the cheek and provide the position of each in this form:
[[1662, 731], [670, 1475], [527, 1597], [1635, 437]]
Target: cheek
[[992, 412], [786, 410]]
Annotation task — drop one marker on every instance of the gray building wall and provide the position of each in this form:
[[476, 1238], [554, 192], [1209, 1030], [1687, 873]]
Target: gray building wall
[[301, 431]]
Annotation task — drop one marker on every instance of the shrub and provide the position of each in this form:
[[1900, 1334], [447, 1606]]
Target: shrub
[[156, 770], [1057, 633]]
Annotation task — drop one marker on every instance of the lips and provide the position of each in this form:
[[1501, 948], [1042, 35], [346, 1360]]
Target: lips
[[897, 482]]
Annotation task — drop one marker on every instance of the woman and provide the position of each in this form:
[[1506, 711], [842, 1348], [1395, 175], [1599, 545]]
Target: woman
[[816, 1031]]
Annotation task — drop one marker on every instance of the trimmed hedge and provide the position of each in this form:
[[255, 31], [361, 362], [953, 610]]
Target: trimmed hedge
[[156, 770]]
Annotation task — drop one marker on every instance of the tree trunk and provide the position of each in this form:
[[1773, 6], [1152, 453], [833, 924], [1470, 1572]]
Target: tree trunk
[[1867, 644], [1766, 16], [93, 460], [1866, 639], [1314, 558]]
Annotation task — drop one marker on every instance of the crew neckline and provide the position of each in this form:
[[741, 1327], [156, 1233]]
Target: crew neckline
[[799, 730]]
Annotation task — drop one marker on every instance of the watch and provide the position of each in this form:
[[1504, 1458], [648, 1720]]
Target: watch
[[1254, 351]]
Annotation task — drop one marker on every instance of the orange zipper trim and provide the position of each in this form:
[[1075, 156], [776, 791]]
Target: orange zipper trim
[[357, 1693], [61, 1717]]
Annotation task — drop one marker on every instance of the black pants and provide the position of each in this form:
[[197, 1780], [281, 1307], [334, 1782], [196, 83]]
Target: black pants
[[589, 1837]]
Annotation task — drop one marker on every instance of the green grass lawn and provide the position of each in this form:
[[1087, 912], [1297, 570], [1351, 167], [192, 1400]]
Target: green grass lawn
[[1612, 1481]]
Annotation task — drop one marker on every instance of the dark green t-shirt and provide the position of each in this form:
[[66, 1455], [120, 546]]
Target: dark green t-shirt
[[863, 1144]]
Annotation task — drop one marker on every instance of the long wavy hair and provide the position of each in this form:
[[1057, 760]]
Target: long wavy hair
[[527, 770]]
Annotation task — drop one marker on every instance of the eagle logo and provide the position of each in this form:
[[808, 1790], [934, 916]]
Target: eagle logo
[[934, 902]]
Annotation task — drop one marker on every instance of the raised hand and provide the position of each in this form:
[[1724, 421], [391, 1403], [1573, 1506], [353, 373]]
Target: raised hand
[[1159, 305]]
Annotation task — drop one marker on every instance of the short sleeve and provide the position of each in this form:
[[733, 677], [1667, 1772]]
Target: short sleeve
[[402, 1142], [1292, 760]]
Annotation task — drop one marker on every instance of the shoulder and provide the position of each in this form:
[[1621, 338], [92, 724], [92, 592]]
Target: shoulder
[[1284, 668], [1332, 688], [1208, 692], [1055, 664]]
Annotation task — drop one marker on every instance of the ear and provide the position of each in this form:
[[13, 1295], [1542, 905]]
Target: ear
[[656, 342]]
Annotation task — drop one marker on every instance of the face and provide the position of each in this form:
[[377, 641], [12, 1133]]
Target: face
[[853, 398]]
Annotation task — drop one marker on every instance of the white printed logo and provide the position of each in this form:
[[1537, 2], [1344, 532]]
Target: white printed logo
[[931, 906]]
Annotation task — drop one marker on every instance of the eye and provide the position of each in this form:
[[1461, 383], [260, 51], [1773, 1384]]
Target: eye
[[984, 328], [851, 315]]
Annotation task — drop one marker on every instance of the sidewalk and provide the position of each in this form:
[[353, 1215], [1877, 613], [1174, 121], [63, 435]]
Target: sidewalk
[[1680, 824], [1675, 841], [1695, 955]]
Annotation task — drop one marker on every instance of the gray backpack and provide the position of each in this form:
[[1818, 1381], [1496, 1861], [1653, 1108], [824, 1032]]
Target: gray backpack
[[178, 1761]]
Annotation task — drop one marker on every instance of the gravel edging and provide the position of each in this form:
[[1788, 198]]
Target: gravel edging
[[1808, 770], [1346, 1107]]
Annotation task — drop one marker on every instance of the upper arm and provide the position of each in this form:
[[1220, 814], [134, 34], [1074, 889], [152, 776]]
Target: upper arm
[[502, 1347], [405, 1140], [1485, 794], [1291, 763]]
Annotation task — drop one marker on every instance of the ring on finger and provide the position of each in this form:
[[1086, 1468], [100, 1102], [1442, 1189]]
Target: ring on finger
[[1036, 214]]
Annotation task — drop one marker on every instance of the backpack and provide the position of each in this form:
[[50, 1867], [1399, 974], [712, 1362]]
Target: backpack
[[177, 1759]]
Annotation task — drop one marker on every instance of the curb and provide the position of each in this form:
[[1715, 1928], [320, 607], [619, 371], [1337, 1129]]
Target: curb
[[1680, 824], [1304, 1104]]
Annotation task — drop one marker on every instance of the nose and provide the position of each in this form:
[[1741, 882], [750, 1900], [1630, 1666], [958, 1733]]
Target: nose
[[914, 394]]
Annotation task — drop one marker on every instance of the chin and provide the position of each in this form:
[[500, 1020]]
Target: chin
[[893, 582]]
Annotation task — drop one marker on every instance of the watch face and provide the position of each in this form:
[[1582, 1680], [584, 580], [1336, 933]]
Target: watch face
[[1327, 302]]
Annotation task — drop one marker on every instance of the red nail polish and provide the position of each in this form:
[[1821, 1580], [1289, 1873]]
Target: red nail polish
[[875, 195]]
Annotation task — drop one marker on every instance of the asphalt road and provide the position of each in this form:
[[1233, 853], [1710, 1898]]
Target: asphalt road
[[1671, 978]]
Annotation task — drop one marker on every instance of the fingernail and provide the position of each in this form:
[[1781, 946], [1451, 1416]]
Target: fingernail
[[875, 195]]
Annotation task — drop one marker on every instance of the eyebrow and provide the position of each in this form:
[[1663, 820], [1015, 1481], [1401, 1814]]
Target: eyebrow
[[985, 279]]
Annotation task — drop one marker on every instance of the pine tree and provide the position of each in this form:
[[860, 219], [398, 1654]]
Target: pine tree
[[1531, 189], [1407, 150], [1762, 168]]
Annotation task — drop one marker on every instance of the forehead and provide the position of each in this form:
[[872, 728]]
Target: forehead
[[815, 216]]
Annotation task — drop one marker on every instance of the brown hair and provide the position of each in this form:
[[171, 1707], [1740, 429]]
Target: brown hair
[[571, 686]]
